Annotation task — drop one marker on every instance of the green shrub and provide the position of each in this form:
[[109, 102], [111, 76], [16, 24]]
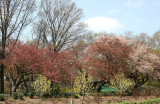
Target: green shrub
[[76, 96], [2, 97], [51, 94], [55, 92], [46, 95], [31, 95], [153, 83], [15, 95], [20, 96], [25, 92], [128, 92], [66, 94]]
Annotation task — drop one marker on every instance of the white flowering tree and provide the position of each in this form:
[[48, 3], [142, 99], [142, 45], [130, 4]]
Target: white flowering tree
[[142, 64]]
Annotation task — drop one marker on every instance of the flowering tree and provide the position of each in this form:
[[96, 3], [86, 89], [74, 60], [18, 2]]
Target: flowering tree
[[142, 64], [111, 54], [22, 60], [106, 56], [56, 67]]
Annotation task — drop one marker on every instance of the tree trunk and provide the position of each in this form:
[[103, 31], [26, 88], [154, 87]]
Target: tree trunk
[[2, 56], [10, 89], [1, 78], [14, 88]]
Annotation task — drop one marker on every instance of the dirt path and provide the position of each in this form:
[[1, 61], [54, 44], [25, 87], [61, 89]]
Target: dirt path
[[88, 100]]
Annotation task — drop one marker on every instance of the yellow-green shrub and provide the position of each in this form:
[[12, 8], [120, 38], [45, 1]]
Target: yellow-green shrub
[[120, 82], [41, 85], [83, 84]]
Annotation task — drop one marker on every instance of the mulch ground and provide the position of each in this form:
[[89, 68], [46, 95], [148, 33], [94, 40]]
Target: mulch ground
[[81, 100]]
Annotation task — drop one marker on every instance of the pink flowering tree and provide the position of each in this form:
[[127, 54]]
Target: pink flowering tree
[[143, 64]]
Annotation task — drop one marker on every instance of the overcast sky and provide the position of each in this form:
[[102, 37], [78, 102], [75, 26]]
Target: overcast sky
[[119, 16]]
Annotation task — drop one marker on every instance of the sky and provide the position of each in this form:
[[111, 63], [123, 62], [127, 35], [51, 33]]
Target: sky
[[120, 16]]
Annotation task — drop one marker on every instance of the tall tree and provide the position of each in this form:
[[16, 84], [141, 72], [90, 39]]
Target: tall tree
[[58, 25], [15, 15]]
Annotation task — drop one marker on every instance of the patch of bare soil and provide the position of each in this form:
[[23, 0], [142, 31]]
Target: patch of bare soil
[[81, 100]]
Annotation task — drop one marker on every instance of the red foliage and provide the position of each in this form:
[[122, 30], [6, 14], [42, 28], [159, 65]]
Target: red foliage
[[106, 56], [56, 67], [29, 58], [26, 56]]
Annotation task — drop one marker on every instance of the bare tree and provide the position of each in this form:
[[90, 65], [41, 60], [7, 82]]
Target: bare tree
[[138, 38], [58, 25], [15, 15], [155, 40]]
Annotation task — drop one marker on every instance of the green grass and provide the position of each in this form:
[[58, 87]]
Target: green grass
[[126, 103], [149, 101]]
